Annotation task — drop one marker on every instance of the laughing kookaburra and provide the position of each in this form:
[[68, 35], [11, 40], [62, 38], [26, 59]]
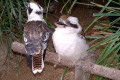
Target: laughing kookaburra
[[68, 41], [36, 34]]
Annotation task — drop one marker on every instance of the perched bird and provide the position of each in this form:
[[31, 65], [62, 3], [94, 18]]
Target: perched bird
[[36, 35], [68, 41]]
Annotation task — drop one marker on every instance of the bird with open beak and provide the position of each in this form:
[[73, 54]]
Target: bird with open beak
[[68, 41]]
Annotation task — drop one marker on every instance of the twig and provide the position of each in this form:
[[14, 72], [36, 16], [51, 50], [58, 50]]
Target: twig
[[87, 65], [64, 6]]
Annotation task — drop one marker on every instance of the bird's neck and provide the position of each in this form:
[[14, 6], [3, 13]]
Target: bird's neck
[[35, 18]]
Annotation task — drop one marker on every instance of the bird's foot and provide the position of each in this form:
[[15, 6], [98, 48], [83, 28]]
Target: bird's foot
[[59, 59]]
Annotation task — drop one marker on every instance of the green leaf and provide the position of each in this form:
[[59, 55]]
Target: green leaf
[[95, 36], [20, 20], [65, 6], [102, 53], [2, 43], [103, 41], [96, 18], [109, 50], [117, 61], [105, 14], [72, 5], [65, 70], [113, 57], [105, 28], [13, 10], [46, 5], [8, 11]]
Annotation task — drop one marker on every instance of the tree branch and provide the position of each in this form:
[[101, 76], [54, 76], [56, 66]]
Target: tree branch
[[87, 65]]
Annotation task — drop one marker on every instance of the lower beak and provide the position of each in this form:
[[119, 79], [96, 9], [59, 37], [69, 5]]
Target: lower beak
[[60, 23]]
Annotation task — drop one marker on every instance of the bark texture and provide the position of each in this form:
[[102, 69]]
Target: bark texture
[[82, 67]]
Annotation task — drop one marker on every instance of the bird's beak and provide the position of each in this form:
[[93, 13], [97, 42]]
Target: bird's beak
[[60, 24]]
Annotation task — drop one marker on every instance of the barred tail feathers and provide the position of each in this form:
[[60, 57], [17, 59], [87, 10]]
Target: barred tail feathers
[[37, 63]]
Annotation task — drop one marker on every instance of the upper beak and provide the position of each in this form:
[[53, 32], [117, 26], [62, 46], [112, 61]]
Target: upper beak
[[60, 23]]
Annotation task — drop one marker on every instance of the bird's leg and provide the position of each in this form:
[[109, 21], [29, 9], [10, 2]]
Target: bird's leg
[[59, 58]]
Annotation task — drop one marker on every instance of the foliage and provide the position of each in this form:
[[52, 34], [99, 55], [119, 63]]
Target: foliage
[[13, 15], [109, 54]]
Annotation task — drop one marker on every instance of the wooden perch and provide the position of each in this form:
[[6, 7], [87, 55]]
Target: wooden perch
[[87, 65]]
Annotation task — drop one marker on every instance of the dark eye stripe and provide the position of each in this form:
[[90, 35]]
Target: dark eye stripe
[[38, 12], [74, 26], [30, 10], [68, 23]]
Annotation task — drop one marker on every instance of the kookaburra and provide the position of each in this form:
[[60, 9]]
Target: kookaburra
[[35, 34], [68, 40]]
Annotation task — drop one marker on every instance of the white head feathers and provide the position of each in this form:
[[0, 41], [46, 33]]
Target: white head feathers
[[69, 22], [73, 20], [34, 11]]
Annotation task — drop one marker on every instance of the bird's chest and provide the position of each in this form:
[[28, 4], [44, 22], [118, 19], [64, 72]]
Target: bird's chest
[[69, 46], [65, 43]]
